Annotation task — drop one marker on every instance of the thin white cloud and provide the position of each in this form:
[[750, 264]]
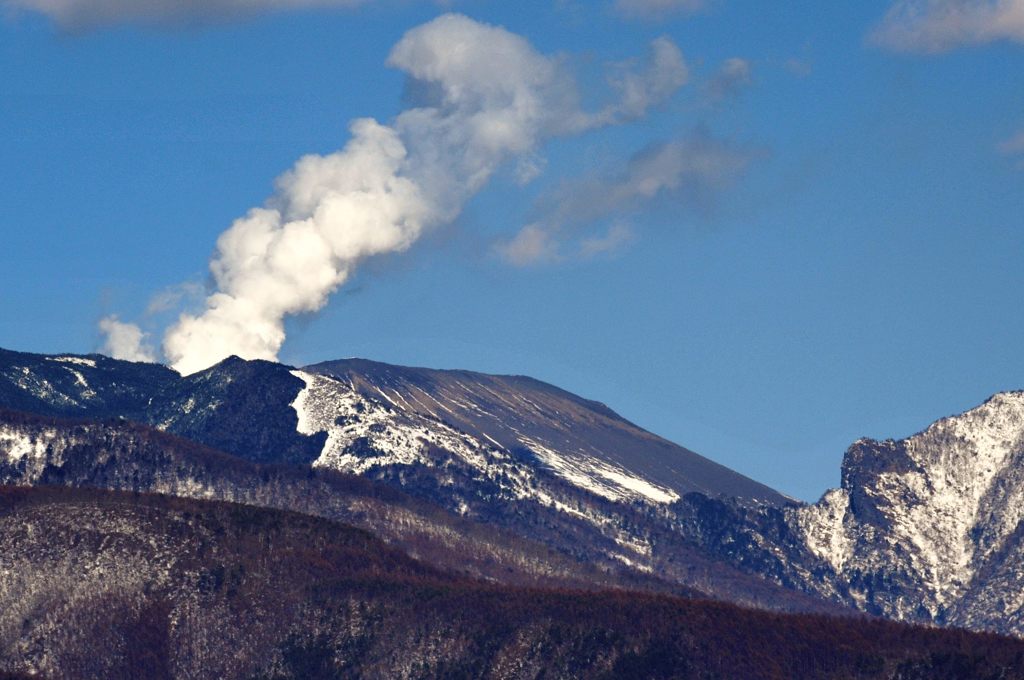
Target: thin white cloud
[[617, 237], [642, 86], [691, 171], [175, 297], [930, 26], [731, 78], [657, 9], [532, 245], [1014, 146], [86, 14], [125, 341], [538, 243]]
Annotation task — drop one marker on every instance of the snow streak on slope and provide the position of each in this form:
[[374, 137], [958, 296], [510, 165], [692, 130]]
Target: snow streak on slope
[[608, 481], [79, 361], [328, 405], [583, 440], [364, 433]]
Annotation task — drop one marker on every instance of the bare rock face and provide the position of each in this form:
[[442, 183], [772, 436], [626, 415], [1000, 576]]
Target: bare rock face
[[928, 528]]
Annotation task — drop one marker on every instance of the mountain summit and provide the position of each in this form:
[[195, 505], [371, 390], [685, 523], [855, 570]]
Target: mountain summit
[[928, 528], [584, 442], [357, 415]]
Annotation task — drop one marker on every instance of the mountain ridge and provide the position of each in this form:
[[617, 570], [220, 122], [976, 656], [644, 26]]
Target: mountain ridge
[[161, 587], [466, 401], [926, 529]]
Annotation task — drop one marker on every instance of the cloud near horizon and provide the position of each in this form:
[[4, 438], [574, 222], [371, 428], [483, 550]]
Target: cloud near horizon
[[485, 97], [933, 26], [125, 341]]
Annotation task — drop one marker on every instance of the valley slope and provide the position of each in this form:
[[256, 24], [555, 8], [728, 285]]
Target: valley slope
[[111, 585]]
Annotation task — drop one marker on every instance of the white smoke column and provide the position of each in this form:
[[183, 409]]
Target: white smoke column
[[491, 97]]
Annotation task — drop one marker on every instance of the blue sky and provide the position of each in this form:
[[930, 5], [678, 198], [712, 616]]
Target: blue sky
[[817, 237]]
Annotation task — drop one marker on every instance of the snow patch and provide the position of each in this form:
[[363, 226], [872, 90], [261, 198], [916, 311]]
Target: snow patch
[[598, 477], [823, 530], [16, 445], [80, 381], [363, 434], [80, 361]]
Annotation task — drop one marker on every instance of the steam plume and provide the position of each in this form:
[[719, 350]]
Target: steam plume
[[486, 96]]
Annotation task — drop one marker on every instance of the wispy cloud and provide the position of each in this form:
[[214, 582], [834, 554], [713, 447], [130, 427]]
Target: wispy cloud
[[539, 243], [691, 171], [657, 9], [929, 26], [618, 236], [731, 78], [534, 244], [1013, 147], [88, 14], [641, 85], [188, 294]]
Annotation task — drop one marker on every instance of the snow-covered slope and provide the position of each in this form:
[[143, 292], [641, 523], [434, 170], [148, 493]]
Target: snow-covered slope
[[366, 433], [922, 527], [583, 441]]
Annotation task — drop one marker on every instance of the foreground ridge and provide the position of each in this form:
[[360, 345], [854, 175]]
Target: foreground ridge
[[173, 588]]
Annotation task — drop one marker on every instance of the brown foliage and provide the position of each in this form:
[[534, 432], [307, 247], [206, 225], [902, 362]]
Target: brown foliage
[[263, 593]]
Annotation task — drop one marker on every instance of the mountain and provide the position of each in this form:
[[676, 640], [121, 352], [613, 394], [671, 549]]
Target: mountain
[[928, 528], [114, 585], [91, 386], [583, 441], [263, 417], [558, 489], [925, 529], [250, 408]]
